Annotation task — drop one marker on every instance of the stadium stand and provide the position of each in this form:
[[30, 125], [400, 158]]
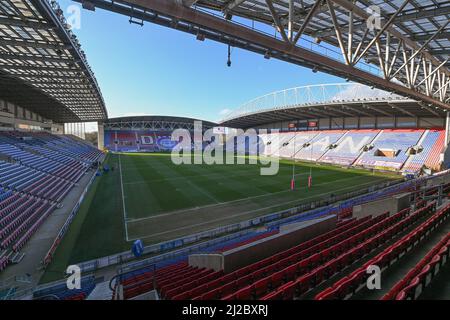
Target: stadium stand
[[285, 275], [285, 139], [60, 290], [432, 160], [320, 144], [419, 277], [37, 170], [255, 280], [429, 157], [347, 286], [295, 144], [371, 148], [132, 141], [350, 147], [142, 280], [389, 149]]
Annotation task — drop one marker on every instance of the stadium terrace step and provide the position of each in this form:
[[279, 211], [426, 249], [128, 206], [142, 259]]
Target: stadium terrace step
[[422, 274], [101, 292]]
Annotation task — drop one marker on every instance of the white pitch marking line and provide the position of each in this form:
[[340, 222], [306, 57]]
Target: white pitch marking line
[[186, 177], [239, 174], [209, 206], [243, 213], [210, 196], [123, 201], [244, 199]]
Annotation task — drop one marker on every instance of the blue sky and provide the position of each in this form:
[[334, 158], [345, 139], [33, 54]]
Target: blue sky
[[160, 71]]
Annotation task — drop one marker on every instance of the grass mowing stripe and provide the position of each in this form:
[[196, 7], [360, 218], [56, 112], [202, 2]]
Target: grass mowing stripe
[[243, 213], [260, 196], [98, 229], [225, 187], [123, 201]]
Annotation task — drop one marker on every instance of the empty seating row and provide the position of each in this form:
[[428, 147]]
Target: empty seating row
[[145, 276], [345, 213], [37, 170], [4, 194], [31, 160], [42, 213], [344, 258], [73, 148], [26, 223], [419, 277], [59, 290], [313, 270], [51, 154], [9, 204], [374, 148], [350, 284], [56, 149], [240, 278], [145, 282], [4, 261], [24, 204], [50, 188], [33, 182], [320, 265]]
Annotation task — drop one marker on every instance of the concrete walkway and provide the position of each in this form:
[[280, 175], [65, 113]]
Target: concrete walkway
[[439, 289]]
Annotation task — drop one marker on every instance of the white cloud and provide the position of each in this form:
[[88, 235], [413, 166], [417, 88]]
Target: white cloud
[[224, 112], [359, 91], [91, 127]]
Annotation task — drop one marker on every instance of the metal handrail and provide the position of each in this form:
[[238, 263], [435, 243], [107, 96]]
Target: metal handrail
[[114, 279]]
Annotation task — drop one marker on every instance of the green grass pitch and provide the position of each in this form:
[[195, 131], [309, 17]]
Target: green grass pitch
[[148, 197]]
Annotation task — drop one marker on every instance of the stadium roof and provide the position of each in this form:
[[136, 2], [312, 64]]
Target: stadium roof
[[396, 45], [326, 101], [42, 66], [418, 21], [141, 121]]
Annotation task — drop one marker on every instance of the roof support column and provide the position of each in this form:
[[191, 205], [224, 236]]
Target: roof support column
[[447, 123], [291, 20], [100, 136]]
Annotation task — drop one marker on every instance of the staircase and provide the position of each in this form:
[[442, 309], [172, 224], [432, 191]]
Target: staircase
[[101, 292], [362, 152]]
